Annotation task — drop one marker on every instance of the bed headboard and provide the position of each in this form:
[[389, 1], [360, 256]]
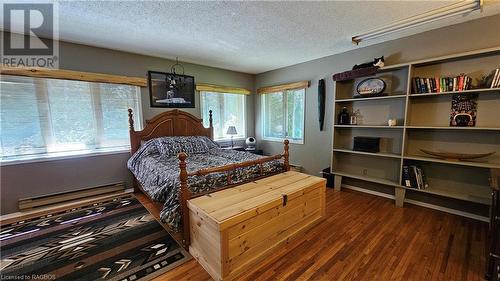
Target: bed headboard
[[170, 123]]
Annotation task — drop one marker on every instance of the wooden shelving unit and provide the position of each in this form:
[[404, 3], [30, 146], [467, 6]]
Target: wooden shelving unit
[[452, 128], [369, 126], [423, 122], [366, 178], [373, 98], [474, 91], [390, 155], [485, 199], [449, 162]]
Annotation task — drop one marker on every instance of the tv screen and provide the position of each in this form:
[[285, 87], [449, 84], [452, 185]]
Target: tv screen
[[171, 90]]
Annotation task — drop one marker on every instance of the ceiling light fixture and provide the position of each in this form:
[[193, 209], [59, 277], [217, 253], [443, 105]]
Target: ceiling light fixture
[[460, 8]]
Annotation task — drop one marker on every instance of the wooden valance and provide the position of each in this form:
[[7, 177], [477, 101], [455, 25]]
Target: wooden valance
[[221, 89], [284, 87], [73, 75]]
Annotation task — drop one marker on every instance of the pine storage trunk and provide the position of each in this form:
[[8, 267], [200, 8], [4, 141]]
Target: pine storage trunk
[[233, 229]]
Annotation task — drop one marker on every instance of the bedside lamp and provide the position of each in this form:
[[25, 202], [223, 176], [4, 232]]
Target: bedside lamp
[[231, 130]]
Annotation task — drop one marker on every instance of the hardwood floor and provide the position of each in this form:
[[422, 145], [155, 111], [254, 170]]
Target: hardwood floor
[[365, 237]]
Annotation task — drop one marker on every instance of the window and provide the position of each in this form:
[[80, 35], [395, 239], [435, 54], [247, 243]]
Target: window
[[227, 110], [283, 115], [51, 117]]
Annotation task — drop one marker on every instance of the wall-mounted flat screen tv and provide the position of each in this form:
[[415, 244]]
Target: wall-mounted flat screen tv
[[171, 90]]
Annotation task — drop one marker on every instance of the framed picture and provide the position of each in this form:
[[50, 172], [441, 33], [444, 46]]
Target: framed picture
[[171, 90]]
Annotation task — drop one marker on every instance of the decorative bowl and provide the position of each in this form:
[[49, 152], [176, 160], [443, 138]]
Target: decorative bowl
[[456, 156]]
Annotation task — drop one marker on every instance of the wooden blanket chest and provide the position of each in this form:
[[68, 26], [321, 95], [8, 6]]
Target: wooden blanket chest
[[233, 229]]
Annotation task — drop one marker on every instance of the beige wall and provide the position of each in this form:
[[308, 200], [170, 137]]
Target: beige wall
[[34, 179], [86, 58], [314, 154]]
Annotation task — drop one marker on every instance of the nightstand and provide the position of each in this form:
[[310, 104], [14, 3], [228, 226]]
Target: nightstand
[[241, 148]]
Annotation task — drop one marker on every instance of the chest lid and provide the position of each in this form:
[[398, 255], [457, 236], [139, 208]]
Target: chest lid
[[250, 199]]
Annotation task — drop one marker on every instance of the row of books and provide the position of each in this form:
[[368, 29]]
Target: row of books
[[414, 177], [493, 79], [441, 84]]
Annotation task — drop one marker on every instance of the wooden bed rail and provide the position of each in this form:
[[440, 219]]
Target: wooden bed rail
[[186, 194], [230, 167]]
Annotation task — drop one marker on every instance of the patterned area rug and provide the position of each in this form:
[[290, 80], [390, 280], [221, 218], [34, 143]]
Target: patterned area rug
[[113, 240]]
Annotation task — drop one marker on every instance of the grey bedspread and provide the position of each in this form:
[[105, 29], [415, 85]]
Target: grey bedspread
[[156, 167]]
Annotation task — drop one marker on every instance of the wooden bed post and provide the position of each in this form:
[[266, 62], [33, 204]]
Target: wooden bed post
[[210, 124], [133, 143], [185, 196], [286, 155]]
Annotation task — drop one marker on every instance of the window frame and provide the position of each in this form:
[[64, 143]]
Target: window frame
[[56, 156], [48, 156], [285, 104], [221, 108]]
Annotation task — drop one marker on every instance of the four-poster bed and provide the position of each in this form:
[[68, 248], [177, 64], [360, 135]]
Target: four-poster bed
[[179, 123]]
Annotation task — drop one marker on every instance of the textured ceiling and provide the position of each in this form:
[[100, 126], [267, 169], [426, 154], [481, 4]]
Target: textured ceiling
[[251, 37]]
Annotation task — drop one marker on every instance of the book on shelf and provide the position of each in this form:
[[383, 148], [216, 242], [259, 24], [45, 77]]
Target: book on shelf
[[493, 79], [424, 179], [497, 79], [414, 177], [409, 177], [416, 170], [442, 84], [406, 176]]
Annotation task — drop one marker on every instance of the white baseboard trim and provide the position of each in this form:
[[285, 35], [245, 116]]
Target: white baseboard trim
[[418, 203], [36, 212]]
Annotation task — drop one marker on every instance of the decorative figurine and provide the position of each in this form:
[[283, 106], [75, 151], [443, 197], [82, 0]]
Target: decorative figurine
[[376, 62]]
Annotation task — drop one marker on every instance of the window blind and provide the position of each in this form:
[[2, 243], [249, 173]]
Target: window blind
[[41, 117]]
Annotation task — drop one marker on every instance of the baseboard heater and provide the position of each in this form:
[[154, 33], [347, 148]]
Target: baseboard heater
[[63, 197]]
